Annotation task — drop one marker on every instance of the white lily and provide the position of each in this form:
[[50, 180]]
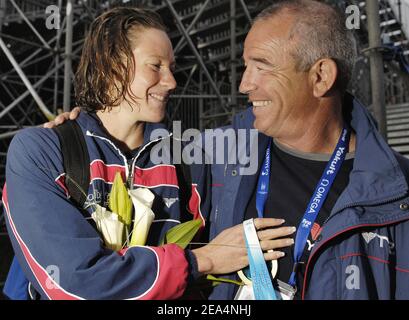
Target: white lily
[[142, 199], [111, 228]]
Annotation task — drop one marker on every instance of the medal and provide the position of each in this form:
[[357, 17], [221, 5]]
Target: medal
[[245, 276]]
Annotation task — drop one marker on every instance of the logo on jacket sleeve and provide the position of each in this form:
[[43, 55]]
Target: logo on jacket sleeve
[[170, 201], [370, 236]]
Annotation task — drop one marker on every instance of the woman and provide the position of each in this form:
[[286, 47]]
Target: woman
[[123, 81]]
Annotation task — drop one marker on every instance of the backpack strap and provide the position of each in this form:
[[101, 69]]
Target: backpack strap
[[184, 178], [75, 159], [185, 188]]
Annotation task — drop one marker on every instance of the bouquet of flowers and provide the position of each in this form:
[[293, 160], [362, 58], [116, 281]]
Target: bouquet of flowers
[[132, 209], [127, 221]]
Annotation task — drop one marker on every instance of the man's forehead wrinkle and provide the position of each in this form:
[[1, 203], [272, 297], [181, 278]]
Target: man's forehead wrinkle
[[276, 43], [273, 39], [267, 49]]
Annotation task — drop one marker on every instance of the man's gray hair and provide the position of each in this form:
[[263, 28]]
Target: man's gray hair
[[319, 32]]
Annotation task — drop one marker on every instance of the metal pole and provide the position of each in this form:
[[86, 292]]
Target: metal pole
[[57, 61], [376, 63], [26, 93], [29, 60], [202, 96], [10, 115], [233, 62], [31, 56], [400, 11], [2, 12], [8, 134], [25, 80], [21, 13], [246, 11], [195, 52], [201, 102], [176, 109], [68, 58], [22, 109], [3, 35], [216, 115], [198, 15]]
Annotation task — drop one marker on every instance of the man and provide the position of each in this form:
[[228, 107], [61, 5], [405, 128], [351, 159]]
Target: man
[[56, 244], [351, 243]]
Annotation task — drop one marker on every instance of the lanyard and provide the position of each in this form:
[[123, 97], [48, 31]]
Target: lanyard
[[263, 183], [316, 201]]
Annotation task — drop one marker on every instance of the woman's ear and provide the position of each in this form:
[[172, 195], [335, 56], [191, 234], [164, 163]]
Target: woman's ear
[[323, 75]]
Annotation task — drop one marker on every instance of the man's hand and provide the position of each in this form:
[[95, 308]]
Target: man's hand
[[61, 118], [227, 252]]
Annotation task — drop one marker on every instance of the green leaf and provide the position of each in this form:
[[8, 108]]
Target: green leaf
[[217, 281], [183, 233], [119, 200]]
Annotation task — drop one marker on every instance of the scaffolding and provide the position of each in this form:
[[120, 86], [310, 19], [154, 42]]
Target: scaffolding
[[41, 43], [37, 61], [395, 80]]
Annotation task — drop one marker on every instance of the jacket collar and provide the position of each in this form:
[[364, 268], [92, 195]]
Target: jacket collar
[[376, 176], [90, 122]]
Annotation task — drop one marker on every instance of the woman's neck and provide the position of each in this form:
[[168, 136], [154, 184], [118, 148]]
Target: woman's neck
[[127, 133]]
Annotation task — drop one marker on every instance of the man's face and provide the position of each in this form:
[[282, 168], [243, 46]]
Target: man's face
[[280, 95]]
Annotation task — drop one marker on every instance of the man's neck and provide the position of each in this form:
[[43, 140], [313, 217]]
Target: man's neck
[[322, 132]]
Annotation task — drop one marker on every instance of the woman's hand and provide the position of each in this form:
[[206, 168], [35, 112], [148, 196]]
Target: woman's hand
[[227, 252], [61, 118]]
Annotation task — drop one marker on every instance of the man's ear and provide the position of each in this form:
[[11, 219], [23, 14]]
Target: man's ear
[[323, 75]]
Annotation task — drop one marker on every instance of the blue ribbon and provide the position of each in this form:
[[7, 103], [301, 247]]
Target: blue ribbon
[[261, 281], [261, 197]]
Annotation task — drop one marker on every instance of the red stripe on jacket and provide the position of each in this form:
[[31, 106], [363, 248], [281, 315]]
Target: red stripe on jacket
[[194, 205], [145, 177], [48, 285], [169, 264]]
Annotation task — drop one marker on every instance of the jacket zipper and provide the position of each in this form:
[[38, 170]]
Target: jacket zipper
[[129, 182], [132, 162], [127, 173], [346, 230], [129, 165]]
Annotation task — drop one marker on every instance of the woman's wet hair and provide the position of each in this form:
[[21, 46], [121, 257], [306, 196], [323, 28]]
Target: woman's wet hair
[[105, 71]]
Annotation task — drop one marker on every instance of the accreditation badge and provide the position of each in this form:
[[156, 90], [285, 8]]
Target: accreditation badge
[[283, 290]]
